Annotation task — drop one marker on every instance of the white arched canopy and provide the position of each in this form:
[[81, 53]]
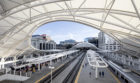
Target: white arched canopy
[[84, 45], [20, 18]]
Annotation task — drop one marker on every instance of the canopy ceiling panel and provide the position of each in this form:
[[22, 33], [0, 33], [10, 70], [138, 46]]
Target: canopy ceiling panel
[[130, 21], [124, 5], [89, 20], [119, 20], [116, 28], [20, 18]]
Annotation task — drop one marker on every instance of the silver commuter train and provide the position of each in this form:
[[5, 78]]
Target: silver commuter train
[[120, 73]]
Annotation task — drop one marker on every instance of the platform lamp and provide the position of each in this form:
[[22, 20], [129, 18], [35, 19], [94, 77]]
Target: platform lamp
[[51, 67]]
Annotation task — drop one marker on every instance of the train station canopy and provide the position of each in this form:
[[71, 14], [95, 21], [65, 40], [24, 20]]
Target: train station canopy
[[20, 18], [95, 60], [84, 45]]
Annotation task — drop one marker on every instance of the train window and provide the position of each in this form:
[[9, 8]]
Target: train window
[[126, 81], [122, 77], [114, 70], [117, 74]]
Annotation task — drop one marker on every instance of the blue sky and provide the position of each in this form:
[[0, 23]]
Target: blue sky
[[63, 30]]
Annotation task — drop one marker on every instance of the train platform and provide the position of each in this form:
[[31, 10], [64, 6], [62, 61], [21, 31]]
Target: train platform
[[84, 75], [45, 70]]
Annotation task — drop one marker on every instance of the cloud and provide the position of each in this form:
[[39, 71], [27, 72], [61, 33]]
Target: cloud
[[59, 31], [48, 31], [62, 37], [71, 35], [78, 36]]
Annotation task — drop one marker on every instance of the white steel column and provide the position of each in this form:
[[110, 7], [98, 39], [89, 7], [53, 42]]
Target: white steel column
[[124, 59], [15, 61], [2, 63], [96, 71], [39, 67]]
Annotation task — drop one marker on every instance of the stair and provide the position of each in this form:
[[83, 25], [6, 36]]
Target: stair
[[13, 77]]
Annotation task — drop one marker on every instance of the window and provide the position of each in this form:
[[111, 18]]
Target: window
[[114, 47]]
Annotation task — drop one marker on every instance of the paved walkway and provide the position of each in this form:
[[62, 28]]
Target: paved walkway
[[85, 77], [39, 74], [45, 70]]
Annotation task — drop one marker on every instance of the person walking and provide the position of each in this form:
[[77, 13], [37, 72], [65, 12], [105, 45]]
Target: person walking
[[103, 73], [90, 74], [100, 74]]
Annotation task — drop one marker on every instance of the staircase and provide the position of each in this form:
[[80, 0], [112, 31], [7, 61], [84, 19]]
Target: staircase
[[13, 77]]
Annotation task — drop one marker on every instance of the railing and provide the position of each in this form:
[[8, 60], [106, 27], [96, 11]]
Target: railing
[[8, 74], [13, 77]]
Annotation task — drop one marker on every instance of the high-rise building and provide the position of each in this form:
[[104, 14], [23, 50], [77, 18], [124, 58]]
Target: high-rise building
[[101, 40], [107, 43]]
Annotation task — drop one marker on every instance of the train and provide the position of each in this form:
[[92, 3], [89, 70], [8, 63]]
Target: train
[[121, 73]]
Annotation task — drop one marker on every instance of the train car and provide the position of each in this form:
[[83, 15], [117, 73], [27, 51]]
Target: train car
[[120, 73]]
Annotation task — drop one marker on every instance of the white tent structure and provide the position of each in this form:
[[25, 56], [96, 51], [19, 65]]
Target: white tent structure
[[20, 18], [95, 61], [84, 45]]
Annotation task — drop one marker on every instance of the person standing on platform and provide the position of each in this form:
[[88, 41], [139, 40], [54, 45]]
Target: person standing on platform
[[90, 74], [100, 74], [40, 66], [103, 73]]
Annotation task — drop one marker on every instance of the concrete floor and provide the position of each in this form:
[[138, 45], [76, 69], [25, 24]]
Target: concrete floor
[[45, 70], [86, 78], [83, 78], [39, 74]]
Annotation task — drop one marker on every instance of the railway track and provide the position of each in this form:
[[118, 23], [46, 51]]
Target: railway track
[[58, 71], [73, 73]]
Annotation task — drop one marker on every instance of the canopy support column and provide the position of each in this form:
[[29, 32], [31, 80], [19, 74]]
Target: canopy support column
[[96, 72], [135, 9]]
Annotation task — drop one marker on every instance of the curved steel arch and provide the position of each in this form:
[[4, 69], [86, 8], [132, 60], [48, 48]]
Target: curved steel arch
[[20, 20], [85, 23]]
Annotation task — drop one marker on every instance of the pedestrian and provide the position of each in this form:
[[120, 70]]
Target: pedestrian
[[103, 73], [86, 64], [100, 74], [90, 74]]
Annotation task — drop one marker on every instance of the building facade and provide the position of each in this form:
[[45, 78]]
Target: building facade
[[43, 42], [107, 43], [112, 52], [93, 40], [68, 42]]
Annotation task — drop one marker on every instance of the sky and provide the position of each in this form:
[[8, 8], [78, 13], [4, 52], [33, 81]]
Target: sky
[[64, 30]]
